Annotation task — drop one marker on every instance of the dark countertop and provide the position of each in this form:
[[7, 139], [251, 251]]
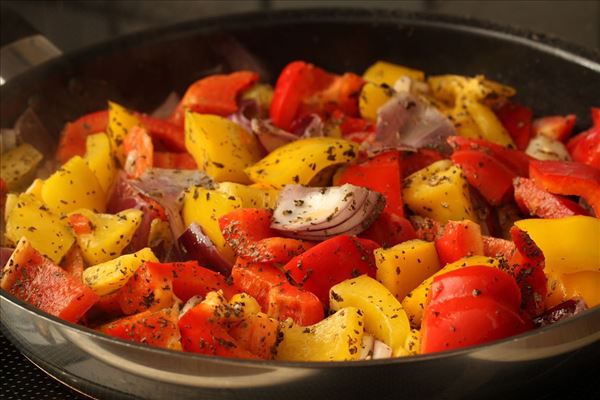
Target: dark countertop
[[90, 22]]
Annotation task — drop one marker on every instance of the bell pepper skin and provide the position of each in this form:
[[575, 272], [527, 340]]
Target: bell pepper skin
[[74, 134], [422, 158], [257, 333], [555, 127], [558, 237], [459, 239], [149, 288], [168, 134], [202, 332], [248, 231], [562, 287], [99, 159], [585, 147], [517, 120], [568, 178], [383, 313], [351, 125], [389, 230], [331, 262], [158, 329], [36, 280], [528, 263], [535, 201], [382, 174], [516, 161], [270, 287], [215, 94], [486, 174]]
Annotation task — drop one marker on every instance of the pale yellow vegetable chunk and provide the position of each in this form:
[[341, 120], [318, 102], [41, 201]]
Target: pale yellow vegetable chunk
[[388, 73], [439, 191], [120, 121], [372, 97], [73, 186], [46, 232], [100, 159], [109, 236], [244, 305], [205, 207], [415, 301], [251, 197], [336, 338], [17, 166], [221, 148], [384, 317], [562, 287], [300, 161], [36, 188], [403, 267], [570, 244], [490, 126], [107, 277]]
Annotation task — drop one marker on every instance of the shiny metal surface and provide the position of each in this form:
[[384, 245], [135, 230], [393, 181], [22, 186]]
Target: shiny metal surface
[[105, 367], [23, 54]]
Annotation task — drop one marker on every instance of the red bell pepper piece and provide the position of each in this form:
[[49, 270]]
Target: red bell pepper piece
[[169, 160], [158, 329], [297, 81], [382, 174], [73, 137], [496, 247], [341, 95], [271, 289], [535, 201], [190, 279], [35, 279], [248, 231], [349, 125], [412, 162], [107, 308], [389, 229], [470, 306], [476, 281], [468, 321], [139, 152], [3, 193], [215, 94], [73, 263], [515, 160], [80, 224], [585, 147], [201, 332], [517, 120], [555, 127], [331, 262], [459, 239], [258, 334], [528, 263], [168, 134], [150, 288], [568, 178], [486, 174]]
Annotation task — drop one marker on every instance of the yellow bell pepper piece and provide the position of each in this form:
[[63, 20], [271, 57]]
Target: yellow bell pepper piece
[[388, 73], [383, 314], [205, 207], [109, 236], [100, 159], [403, 267], [221, 148], [439, 191], [120, 121], [46, 232], [251, 197], [490, 127], [336, 338], [73, 186], [18, 166], [300, 161], [562, 287], [36, 188], [415, 301], [570, 244], [112, 275], [244, 305], [372, 97], [412, 345]]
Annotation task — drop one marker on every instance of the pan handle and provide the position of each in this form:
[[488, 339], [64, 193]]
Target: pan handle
[[22, 46]]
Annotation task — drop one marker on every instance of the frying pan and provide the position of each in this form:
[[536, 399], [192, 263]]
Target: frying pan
[[140, 70]]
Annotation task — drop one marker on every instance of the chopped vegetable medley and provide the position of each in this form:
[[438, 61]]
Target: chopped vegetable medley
[[330, 217]]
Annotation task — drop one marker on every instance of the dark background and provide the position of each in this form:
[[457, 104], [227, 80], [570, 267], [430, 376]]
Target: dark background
[[75, 24]]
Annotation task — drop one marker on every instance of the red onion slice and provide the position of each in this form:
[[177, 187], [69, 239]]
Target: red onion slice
[[199, 247], [320, 213]]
